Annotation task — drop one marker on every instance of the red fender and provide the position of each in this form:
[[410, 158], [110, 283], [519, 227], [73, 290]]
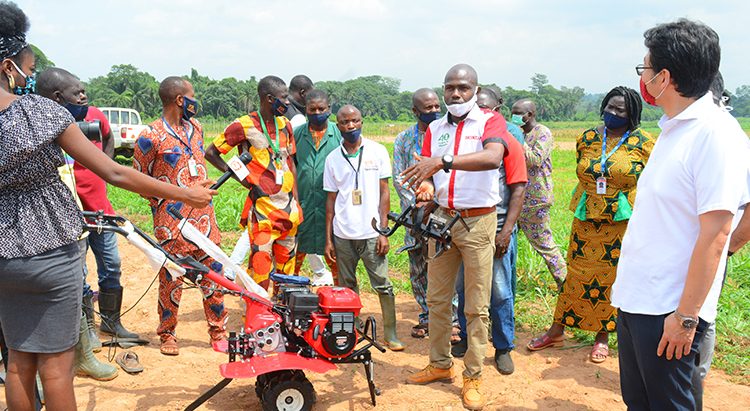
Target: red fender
[[257, 365]]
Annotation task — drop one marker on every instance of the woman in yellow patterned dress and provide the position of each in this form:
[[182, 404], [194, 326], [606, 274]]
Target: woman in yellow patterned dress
[[610, 158]]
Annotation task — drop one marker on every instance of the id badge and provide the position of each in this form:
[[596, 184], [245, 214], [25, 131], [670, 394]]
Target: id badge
[[357, 197], [601, 185], [279, 177], [193, 168]]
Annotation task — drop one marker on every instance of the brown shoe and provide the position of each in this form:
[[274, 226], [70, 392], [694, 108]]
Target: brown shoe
[[471, 396], [430, 374], [169, 346]]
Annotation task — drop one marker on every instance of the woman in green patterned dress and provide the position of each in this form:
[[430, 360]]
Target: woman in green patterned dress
[[610, 158]]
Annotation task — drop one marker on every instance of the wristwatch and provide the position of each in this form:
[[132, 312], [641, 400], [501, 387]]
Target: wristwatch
[[447, 162], [687, 322]]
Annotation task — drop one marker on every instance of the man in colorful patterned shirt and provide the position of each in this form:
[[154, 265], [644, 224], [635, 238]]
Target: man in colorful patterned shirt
[[171, 150], [272, 180], [535, 218]]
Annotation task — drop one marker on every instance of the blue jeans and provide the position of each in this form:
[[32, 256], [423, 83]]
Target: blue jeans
[[104, 247], [501, 300]]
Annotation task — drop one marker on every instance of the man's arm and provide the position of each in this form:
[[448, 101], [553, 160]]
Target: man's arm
[[383, 209], [108, 144], [213, 156], [741, 234], [330, 213], [490, 157], [293, 169], [538, 150], [515, 203], [707, 253]]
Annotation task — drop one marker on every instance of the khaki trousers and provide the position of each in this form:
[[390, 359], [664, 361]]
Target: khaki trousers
[[475, 248]]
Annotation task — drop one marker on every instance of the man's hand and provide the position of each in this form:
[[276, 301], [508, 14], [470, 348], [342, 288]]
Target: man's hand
[[675, 339], [425, 168], [425, 191], [502, 241], [330, 251], [199, 195], [382, 246]]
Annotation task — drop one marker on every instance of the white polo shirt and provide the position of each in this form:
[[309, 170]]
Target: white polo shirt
[[354, 222], [460, 189], [700, 163]]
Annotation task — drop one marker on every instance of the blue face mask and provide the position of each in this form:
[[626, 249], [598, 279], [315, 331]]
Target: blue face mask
[[30, 86], [613, 121], [189, 107], [78, 111], [428, 118], [318, 119], [278, 107], [352, 136]]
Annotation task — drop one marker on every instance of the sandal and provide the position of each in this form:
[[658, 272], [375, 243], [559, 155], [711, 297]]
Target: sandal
[[169, 347], [540, 343], [128, 360], [455, 335], [420, 330], [599, 353]]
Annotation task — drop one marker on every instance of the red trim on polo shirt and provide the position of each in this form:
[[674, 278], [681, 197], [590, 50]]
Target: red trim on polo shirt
[[427, 143], [452, 181]]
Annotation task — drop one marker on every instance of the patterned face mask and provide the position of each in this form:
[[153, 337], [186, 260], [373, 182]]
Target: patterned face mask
[[30, 80]]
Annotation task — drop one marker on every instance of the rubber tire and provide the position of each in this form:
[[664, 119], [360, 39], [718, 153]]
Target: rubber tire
[[283, 382]]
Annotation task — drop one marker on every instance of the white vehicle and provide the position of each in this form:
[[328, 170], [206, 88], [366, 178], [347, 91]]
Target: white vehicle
[[126, 126]]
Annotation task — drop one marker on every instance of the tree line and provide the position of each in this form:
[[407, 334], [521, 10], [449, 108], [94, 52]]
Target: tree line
[[378, 97]]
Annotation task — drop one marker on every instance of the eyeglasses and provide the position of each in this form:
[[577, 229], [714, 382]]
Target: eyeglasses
[[639, 69]]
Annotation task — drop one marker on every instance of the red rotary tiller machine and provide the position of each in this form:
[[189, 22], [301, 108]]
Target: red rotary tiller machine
[[299, 330]]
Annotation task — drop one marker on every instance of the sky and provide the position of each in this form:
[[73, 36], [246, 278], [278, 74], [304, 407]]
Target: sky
[[590, 44]]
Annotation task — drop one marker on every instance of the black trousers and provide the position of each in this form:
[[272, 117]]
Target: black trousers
[[647, 381]]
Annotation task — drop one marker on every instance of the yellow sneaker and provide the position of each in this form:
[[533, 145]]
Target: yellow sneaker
[[430, 374], [471, 396]]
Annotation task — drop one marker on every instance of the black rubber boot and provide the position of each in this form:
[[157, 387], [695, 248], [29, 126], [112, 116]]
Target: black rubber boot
[[88, 310], [110, 304]]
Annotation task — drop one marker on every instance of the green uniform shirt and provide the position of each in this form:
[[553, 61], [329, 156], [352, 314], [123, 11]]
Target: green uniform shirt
[[311, 161]]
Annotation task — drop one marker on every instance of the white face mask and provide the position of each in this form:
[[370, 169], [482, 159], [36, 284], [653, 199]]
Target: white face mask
[[460, 109]]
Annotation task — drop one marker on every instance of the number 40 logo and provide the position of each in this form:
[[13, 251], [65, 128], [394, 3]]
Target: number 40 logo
[[443, 140]]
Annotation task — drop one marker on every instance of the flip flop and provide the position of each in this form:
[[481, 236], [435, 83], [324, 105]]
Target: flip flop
[[128, 360], [420, 330], [599, 353], [540, 343]]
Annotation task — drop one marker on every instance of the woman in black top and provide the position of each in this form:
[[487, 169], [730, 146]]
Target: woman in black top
[[40, 284]]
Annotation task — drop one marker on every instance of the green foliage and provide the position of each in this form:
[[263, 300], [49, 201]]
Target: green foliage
[[42, 62]]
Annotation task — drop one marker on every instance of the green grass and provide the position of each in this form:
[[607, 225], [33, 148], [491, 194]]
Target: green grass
[[536, 299]]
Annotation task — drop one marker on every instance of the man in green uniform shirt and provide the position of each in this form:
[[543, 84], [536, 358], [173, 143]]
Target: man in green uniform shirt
[[315, 140]]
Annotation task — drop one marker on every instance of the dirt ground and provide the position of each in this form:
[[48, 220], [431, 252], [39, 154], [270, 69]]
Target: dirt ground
[[554, 379]]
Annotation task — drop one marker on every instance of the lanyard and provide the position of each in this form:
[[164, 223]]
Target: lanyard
[[171, 132], [359, 163], [274, 147], [417, 146], [606, 156]]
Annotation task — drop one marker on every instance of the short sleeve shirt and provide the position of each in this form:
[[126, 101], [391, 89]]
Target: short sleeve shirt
[[266, 196], [460, 189], [699, 164], [164, 153], [354, 222], [91, 189], [37, 211]]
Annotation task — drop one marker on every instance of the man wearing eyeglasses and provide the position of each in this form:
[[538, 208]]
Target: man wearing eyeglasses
[[674, 249]]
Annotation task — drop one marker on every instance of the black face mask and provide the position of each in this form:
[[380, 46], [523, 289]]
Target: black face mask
[[351, 136], [278, 107], [78, 111]]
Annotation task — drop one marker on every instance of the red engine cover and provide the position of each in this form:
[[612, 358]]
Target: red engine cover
[[338, 299]]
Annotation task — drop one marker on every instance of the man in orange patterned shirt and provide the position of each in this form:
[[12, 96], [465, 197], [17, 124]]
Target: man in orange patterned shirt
[[272, 181], [171, 150]]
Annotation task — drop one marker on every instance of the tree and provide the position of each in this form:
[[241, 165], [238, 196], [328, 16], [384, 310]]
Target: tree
[[42, 62]]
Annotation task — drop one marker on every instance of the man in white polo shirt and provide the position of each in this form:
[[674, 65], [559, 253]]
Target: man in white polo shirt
[[356, 179], [674, 250], [461, 156]]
